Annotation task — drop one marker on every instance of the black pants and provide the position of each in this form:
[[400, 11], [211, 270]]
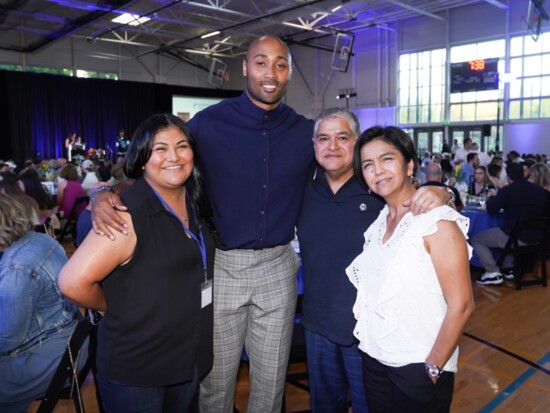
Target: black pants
[[406, 389]]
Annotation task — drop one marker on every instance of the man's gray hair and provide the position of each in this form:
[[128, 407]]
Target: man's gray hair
[[347, 114]]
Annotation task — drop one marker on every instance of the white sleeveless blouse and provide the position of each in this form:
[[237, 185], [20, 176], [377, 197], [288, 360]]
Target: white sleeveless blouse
[[400, 305]]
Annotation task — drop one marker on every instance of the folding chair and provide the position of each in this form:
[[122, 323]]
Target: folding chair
[[527, 255], [64, 372]]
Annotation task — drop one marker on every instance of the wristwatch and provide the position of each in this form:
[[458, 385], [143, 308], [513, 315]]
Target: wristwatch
[[433, 370]]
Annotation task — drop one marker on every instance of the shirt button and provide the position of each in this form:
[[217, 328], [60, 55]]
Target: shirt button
[[264, 133], [264, 186], [262, 212], [265, 159], [266, 116]]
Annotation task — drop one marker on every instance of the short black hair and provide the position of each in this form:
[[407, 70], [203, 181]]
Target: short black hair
[[515, 171], [393, 136], [471, 156]]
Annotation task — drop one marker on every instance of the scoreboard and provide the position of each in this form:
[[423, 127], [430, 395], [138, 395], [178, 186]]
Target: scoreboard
[[474, 75]]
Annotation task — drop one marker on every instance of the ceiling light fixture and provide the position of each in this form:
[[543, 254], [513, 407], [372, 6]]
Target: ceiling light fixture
[[204, 36], [130, 19]]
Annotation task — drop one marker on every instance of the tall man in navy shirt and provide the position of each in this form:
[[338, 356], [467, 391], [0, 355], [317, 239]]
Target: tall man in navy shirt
[[256, 153]]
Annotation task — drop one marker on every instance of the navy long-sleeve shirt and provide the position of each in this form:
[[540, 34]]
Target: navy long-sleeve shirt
[[255, 164]]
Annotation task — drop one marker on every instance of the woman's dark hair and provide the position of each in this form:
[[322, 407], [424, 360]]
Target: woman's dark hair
[[140, 150], [35, 190], [391, 135]]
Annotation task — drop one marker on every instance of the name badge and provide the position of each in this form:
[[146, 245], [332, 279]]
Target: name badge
[[206, 293]]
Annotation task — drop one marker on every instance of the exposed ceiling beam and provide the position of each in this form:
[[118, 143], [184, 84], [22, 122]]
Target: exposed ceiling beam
[[415, 9]]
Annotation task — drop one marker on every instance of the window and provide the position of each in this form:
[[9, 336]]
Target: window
[[421, 95], [62, 72], [14, 68], [530, 68]]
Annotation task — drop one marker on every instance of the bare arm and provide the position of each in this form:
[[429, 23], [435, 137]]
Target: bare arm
[[427, 198], [105, 216], [449, 254], [92, 261]]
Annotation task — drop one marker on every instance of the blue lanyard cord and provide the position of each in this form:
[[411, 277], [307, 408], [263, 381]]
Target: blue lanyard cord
[[199, 241]]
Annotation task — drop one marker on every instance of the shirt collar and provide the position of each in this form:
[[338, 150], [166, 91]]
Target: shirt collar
[[257, 112]]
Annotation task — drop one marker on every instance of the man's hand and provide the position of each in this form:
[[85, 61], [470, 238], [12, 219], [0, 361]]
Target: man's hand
[[427, 198], [105, 216]]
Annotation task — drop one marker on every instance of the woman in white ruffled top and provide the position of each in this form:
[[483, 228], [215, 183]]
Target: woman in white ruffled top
[[413, 285]]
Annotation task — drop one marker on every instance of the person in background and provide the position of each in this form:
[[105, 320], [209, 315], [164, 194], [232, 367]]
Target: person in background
[[33, 188], [484, 159], [68, 190], [37, 320], [90, 176], [122, 144], [461, 153], [527, 163], [414, 293], [539, 174], [467, 168], [119, 181], [434, 177], [520, 199], [494, 170], [445, 148], [481, 183], [154, 341]]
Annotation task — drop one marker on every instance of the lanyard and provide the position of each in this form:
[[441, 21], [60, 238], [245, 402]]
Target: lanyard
[[199, 241]]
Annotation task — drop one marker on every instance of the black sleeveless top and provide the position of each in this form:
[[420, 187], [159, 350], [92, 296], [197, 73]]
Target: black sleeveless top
[[154, 331]]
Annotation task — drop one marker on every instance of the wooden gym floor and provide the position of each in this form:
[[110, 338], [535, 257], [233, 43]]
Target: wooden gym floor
[[504, 363]]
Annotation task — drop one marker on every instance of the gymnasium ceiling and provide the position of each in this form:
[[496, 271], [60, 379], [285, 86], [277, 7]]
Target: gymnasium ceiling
[[175, 28]]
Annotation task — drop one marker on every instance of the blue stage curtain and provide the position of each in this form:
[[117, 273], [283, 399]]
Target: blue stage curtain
[[39, 111]]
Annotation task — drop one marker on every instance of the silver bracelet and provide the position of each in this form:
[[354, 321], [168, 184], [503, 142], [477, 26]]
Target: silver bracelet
[[95, 191]]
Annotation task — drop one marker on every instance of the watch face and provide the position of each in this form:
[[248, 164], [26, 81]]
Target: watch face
[[433, 370]]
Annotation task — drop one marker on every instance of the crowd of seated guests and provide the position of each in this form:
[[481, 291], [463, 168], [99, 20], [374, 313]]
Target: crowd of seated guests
[[54, 185]]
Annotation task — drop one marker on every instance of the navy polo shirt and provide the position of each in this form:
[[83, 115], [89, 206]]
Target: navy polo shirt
[[331, 231], [255, 164]]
